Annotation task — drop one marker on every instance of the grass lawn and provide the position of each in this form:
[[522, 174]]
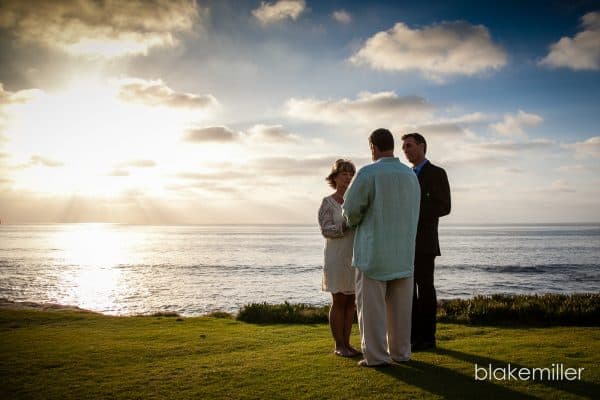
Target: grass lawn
[[79, 355]]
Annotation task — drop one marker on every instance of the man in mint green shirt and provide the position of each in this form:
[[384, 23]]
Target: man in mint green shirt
[[383, 205]]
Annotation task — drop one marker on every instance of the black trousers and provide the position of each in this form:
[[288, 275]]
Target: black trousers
[[424, 300]]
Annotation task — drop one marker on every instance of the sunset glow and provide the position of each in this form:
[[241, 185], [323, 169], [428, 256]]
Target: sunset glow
[[232, 112]]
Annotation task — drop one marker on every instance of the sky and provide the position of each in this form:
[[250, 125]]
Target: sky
[[208, 112]]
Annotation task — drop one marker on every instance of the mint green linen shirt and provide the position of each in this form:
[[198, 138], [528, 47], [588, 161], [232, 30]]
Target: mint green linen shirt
[[383, 204]]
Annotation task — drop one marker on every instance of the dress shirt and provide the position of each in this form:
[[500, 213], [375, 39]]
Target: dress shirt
[[383, 204], [419, 167]]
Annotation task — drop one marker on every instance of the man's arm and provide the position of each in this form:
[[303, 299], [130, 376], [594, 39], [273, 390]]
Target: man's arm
[[435, 195], [442, 194], [357, 200]]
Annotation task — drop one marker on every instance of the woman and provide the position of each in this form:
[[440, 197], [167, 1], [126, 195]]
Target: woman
[[338, 273]]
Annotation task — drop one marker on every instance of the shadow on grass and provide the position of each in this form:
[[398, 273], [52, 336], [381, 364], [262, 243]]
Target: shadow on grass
[[450, 384], [580, 388], [454, 385]]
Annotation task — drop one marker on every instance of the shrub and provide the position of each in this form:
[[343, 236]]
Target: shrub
[[165, 314], [544, 310], [529, 310], [220, 314], [264, 313]]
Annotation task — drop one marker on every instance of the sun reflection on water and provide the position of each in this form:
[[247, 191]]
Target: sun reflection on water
[[92, 253]]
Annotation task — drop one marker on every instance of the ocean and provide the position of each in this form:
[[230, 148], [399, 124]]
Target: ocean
[[193, 270]]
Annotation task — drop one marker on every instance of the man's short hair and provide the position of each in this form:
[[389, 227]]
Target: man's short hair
[[383, 139], [418, 138]]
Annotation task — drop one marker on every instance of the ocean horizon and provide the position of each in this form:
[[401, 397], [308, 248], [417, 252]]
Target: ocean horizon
[[125, 269]]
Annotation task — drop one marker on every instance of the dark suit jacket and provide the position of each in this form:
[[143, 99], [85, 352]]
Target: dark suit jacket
[[435, 203]]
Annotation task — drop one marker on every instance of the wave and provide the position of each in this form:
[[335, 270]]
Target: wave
[[525, 269], [253, 268]]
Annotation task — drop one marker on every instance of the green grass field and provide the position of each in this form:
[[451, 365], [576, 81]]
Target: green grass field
[[80, 355]]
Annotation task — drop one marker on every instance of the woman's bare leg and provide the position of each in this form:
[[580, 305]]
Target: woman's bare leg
[[349, 310], [337, 317]]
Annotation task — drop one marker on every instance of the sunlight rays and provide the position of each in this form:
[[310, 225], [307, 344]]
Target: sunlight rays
[[91, 134]]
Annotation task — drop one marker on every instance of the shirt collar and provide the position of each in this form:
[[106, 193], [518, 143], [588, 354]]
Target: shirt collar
[[419, 167], [390, 158]]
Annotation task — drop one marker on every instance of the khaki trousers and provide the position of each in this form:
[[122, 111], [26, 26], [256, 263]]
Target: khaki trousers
[[384, 318]]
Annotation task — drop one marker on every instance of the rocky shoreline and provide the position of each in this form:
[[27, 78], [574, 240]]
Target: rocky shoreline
[[30, 305]]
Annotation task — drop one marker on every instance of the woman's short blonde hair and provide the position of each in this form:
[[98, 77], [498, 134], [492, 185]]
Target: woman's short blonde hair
[[339, 166]]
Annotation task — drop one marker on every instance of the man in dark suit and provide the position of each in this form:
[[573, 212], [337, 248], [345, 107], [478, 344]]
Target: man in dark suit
[[435, 203]]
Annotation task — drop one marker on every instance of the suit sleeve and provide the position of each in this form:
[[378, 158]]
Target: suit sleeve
[[441, 196], [357, 200]]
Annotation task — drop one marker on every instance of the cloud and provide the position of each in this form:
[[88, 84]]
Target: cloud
[[467, 118], [445, 49], [379, 108], [535, 144], [448, 127], [469, 188], [560, 186], [9, 100], [20, 97], [217, 188], [514, 170], [207, 187], [46, 162], [99, 28], [4, 180], [264, 172], [272, 134], [575, 168], [589, 147], [469, 160], [157, 93], [261, 134], [269, 13], [218, 134], [513, 124], [443, 129], [215, 175], [139, 164], [494, 154], [342, 16], [222, 181], [303, 166], [263, 168], [119, 172], [289, 166], [581, 52]]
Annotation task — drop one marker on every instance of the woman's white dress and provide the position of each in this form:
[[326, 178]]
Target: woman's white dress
[[338, 273]]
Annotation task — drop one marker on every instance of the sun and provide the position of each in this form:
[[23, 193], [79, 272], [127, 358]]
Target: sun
[[91, 142]]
